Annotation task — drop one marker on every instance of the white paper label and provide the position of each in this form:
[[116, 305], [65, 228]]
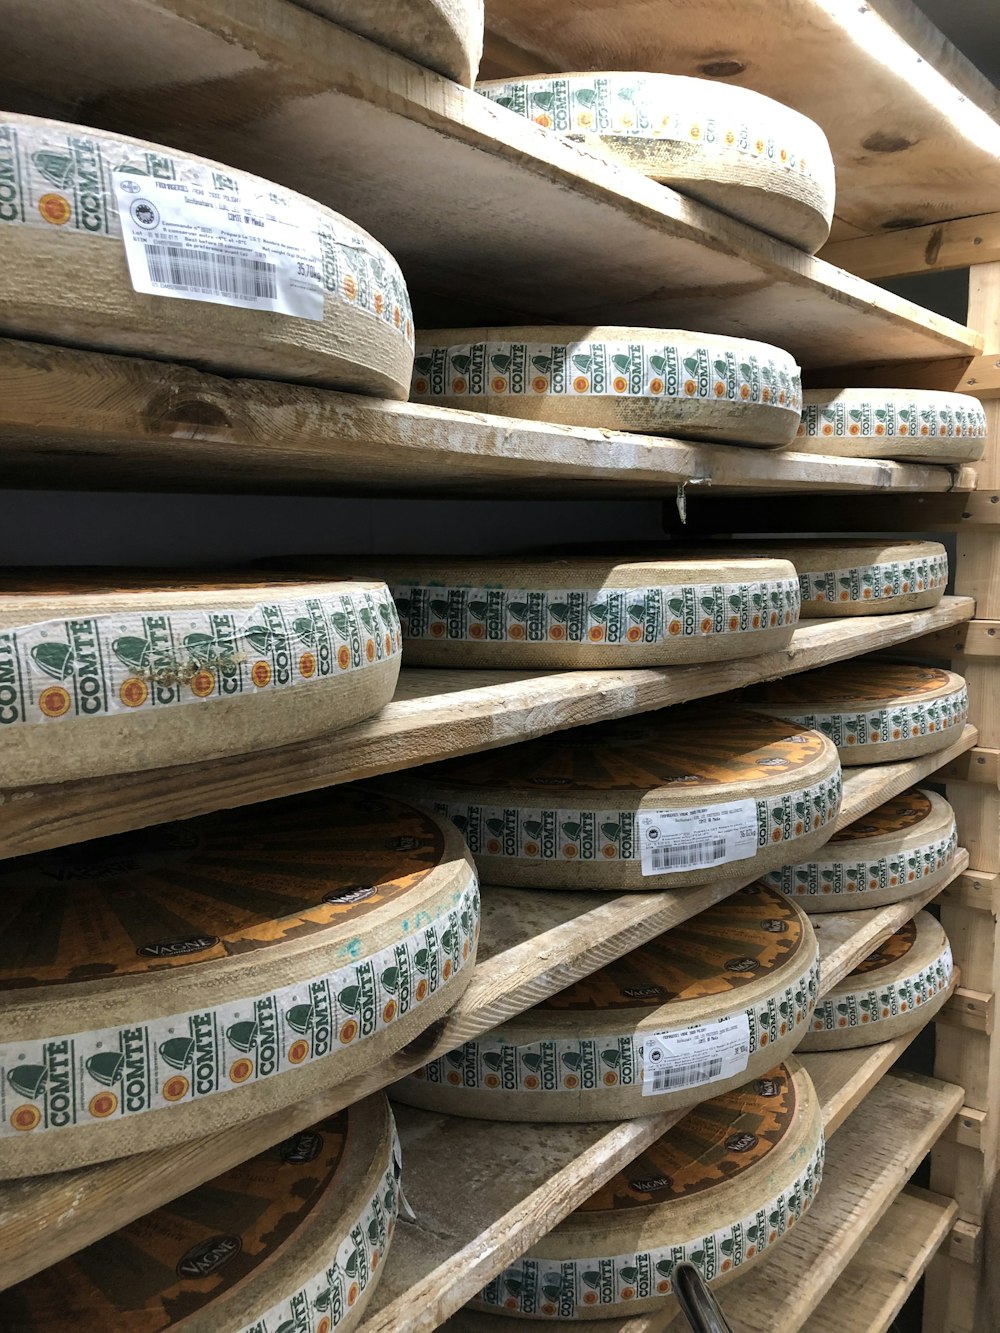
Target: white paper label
[[228, 246], [688, 1057], [692, 839]]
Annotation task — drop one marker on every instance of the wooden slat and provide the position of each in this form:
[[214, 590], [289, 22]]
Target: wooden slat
[[844, 1078], [942, 245], [121, 423], [534, 227], [435, 714]]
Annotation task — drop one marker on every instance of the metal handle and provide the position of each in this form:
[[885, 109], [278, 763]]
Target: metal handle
[[698, 1305]]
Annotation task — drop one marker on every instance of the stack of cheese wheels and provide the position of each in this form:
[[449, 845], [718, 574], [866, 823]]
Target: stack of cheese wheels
[[864, 578], [590, 611], [160, 986], [685, 796], [719, 1190], [903, 848], [732, 148], [99, 231], [442, 35], [295, 1238], [700, 1010], [873, 711], [904, 424], [109, 672], [895, 990], [700, 386]]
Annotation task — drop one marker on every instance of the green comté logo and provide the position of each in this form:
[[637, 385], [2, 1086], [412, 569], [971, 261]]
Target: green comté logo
[[55, 659], [55, 167]]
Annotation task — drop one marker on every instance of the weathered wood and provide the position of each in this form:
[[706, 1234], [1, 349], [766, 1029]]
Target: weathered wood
[[436, 714], [844, 1078], [898, 253], [979, 889], [270, 88], [969, 1009]]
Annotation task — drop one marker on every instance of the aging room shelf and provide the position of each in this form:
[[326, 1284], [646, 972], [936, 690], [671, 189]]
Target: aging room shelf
[[88, 419], [533, 227], [435, 714]]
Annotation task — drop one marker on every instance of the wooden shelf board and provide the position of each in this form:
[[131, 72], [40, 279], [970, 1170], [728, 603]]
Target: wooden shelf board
[[435, 714], [844, 1078], [923, 150], [124, 423], [536, 228]]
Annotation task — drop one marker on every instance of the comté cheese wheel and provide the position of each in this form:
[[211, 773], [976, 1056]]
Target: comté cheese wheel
[[162, 985], [864, 578], [735, 149], [702, 1009], [873, 711], [719, 1189], [442, 35], [904, 847], [104, 671], [684, 796], [100, 232], [700, 386], [895, 990], [904, 424], [294, 1238], [589, 611]]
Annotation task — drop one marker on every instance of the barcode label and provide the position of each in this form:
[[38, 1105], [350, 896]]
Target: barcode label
[[698, 838], [666, 1080], [692, 1056], [203, 271], [698, 854]]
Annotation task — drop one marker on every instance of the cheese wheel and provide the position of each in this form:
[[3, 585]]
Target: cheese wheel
[[100, 232], [293, 1238], [903, 848], [589, 612], [685, 796], [896, 989], [864, 578], [442, 35], [702, 1009], [719, 1189], [873, 711], [727, 146], [699, 386], [107, 672], [163, 985], [905, 424]]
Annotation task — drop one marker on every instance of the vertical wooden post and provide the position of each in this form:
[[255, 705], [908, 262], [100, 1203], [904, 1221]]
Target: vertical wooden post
[[958, 1296]]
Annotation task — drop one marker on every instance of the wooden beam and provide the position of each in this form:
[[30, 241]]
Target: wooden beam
[[978, 889], [969, 1009], [904, 251]]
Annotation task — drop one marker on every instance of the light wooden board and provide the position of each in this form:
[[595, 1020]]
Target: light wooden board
[[844, 1078], [435, 714], [115, 422], [910, 120], [941, 245], [265, 86]]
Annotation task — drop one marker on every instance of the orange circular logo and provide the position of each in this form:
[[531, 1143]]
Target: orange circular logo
[[343, 657], [133, 692], [350, 286], [349, 1031], [54, 701], [307, 665], [260, 674], [103, 1104], [324, 1325], [25, 1117], [202, 684], [370, 650], [298, 1051], [55, 208], [240, 1070], [175, 1088], [389, 1012]]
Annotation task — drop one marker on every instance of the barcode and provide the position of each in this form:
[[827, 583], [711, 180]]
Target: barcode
[[235, 276], [664, 857], [683, 1076]]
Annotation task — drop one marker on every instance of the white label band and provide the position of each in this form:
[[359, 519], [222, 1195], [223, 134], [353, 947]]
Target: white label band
[[701, 1053], [710, 835]]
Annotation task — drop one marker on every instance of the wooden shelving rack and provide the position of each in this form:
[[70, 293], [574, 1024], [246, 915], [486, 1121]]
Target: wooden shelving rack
[[495, 221]]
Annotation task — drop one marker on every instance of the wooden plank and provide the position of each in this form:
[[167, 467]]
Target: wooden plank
[[435, 714], [844, 1078], [873, 1288], [123, 423], [973, 1009], [967, 1128], [977, 765], [266, 86], [979, 889], [899, 253], [974, 638]]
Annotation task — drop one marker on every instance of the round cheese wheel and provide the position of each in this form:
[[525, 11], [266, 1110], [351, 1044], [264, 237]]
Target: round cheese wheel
[[873, 711], [589, 612], [730, 147], [895, 990], [107, 672], [658, 381], [295, 1238], [864, 578], [684, 796], [443, 35], [101, 233], [904, 424], [903, 848], [707, 1006], [719, 1189], [162, 985]]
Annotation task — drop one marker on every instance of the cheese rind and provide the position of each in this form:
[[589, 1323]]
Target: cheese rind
[[442, 35], [859, 578], [904, 424], [730, 147]]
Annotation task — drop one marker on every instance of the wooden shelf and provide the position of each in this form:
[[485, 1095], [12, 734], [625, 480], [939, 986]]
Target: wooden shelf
[[924, 149], [533, 227], [435, 714], [122, 423]]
